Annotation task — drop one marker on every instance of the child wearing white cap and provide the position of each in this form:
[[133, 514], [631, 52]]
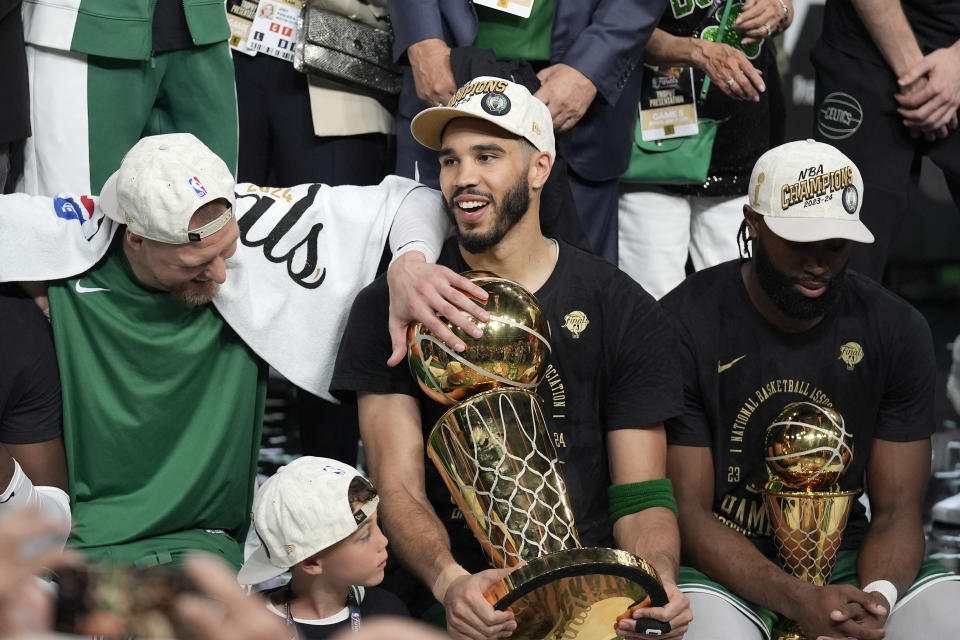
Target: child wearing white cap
[[317, 518]]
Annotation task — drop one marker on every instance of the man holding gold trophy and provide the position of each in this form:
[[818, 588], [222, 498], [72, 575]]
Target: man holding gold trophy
[[608, 381], [805, 384]]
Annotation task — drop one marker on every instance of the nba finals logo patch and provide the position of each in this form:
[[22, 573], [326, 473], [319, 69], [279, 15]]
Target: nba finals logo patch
[[576, 323], [851, 354], [198, 187]]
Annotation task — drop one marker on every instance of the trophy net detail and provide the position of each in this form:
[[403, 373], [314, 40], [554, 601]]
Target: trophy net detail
[[501, 464]]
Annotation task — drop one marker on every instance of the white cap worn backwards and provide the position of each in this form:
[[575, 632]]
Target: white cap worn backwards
[[302, 509], [161, 183]]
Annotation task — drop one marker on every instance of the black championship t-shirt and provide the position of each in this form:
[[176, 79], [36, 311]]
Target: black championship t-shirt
[[29, 381], [745, 129], [935, 23], [612, 367], [376, 602], [870, 358]]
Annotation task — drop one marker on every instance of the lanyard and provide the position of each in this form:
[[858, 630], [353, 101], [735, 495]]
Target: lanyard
[[352, 607]]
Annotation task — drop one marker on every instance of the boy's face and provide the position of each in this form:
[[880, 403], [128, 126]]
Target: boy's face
[[360, 558]]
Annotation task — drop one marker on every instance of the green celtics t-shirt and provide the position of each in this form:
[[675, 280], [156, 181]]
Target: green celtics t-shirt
[[511, 36], [162, 412]]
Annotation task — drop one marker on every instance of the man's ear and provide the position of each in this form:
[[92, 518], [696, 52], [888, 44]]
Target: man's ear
[[754, 220], [133, 239], [540, 167]]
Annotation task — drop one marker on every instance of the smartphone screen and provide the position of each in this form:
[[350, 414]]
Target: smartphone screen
[[115, 601]]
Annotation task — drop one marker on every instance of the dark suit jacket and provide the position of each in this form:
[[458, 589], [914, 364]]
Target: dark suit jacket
[[603, 39], [15, 105]]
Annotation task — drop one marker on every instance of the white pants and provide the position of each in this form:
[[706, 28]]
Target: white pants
[[659, 229], [927, 615]]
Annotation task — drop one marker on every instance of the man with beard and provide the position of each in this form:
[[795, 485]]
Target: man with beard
[[609, 386], [789, 324]]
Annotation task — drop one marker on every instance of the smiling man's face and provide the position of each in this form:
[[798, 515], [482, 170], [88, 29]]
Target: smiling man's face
[[484, 179]]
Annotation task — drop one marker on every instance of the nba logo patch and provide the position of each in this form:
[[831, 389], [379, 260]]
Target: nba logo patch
[[198, 187], [68, 209]]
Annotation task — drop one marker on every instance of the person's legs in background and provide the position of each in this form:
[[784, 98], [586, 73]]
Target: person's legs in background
[[857, 113], [197, 95], [713, 229], [57, 155], [597, 205], [654, 238]]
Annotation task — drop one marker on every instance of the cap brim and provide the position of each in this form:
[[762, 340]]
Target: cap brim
[[817, 229], [258, 568], [427, 126], [109, 202]]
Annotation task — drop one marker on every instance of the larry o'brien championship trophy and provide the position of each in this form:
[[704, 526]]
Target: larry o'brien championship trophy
[[807, 449], [495, 455]]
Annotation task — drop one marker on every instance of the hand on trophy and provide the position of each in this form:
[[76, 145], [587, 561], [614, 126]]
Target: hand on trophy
[[676, 615], [469, 615], [422, 291], [817, 613]]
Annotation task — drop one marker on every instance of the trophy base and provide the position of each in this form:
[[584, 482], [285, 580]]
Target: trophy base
[[575, 593]]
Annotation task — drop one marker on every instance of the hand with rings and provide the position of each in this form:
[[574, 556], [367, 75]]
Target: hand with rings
[[763, 18], [730, 69]]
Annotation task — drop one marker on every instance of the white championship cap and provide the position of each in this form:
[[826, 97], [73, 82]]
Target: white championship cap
[[161, 183], [302, 509], [506, 104], [808, 191]]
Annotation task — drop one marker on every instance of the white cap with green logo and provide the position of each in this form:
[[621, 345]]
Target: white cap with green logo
[[808, 191]]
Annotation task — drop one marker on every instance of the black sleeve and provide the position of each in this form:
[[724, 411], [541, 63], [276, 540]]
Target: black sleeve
[[906, 407], [691, 427], [30, 409], [365, 347], [645, 382]]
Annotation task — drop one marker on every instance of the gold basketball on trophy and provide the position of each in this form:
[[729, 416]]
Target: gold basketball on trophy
[[512, 353], [807, 447]]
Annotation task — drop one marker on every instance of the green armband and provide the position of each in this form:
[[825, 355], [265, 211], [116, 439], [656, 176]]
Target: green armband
[[637, 496]]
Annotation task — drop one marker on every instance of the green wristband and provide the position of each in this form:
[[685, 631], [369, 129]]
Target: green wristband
[[635, 497]]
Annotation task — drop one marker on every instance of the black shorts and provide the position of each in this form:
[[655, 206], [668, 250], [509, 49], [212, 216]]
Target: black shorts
[[856, 112]]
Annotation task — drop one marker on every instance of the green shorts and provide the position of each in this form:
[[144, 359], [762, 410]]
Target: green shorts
[[844, 572]]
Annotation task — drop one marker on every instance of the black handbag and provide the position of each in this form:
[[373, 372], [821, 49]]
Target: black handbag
[[349, 52]]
